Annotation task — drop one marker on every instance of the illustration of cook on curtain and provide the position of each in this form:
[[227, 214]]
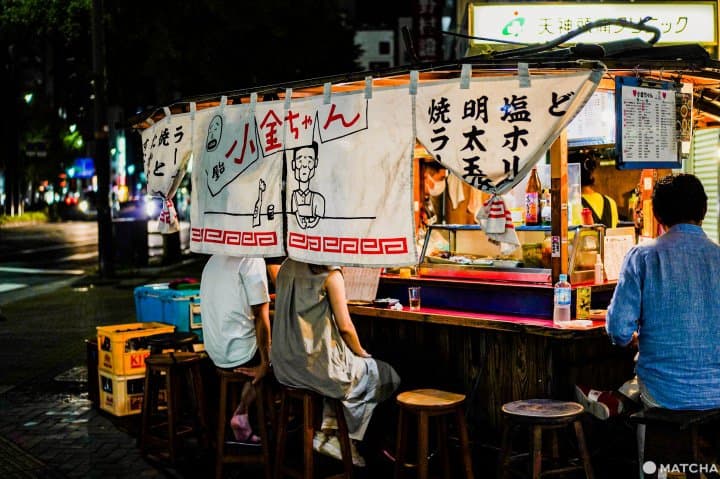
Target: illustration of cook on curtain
[[307, 205]]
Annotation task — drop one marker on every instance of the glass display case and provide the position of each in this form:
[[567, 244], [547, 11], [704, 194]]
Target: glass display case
[[465, 252]]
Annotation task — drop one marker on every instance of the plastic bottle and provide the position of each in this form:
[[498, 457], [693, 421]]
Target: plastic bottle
[[575, 205], [599, 276], [562, 300], [532, 199]]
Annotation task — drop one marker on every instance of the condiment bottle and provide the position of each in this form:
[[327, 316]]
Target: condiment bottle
[[532, 199], [546, 210], [599, 276]]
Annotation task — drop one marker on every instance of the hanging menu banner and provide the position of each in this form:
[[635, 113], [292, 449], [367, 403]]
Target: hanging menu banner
[[646, 130]]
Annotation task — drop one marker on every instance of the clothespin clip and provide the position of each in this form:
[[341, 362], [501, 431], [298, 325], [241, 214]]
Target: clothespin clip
[[465, 75], [327, 93], [193, 109], [368, 87], [166, 110], [223, 103], [414, 78], [253, 101], [288, 98], [523, 75]]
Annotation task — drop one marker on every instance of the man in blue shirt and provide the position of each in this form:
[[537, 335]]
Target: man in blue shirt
[[667, 296]]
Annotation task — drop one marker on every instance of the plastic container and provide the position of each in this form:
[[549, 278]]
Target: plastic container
[[179, 307], [122, 348], [562, 299]]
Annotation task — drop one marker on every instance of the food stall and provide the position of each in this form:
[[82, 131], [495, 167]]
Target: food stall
[[484, 326]]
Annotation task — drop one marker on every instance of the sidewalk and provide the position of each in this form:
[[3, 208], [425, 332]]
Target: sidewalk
[[48, 427]]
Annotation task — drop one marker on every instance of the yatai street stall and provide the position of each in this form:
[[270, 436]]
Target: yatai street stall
[[322, 172]]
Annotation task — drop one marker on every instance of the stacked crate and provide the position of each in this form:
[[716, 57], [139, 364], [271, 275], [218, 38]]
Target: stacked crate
[[122, 349]]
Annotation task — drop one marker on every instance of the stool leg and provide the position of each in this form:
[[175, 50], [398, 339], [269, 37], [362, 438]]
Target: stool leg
[[308, 432], [505, 449], [173, 403], [422, 450], [464, 443], [200, 409], [400, 445], [344, 438], [583, 449], [145, 427], [282, 432], [262, 425], [222, 420], [536, 451], [442, 437]]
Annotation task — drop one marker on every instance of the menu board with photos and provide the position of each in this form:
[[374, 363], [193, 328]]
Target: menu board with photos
[[646, 130]]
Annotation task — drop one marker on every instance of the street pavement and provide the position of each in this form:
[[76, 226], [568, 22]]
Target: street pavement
[[48, 426]]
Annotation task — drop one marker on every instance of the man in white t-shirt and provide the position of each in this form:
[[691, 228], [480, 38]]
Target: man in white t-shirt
[[236, 326]]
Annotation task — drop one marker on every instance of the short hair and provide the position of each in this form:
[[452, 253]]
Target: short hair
[[588, 164], [679, 199], [313, 145]]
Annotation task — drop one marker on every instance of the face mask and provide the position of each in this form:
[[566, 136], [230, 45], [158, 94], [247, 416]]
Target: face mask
[[434, 188]]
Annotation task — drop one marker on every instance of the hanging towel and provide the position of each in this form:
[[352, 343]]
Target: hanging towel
[[455, 190], [495, 219], [168, 220]]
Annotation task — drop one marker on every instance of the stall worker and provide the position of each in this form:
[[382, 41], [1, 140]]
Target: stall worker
[[603, 208], [236, 326], [316, 347]]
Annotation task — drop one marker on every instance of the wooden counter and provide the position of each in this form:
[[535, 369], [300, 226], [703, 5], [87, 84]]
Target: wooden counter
[[491, 358]]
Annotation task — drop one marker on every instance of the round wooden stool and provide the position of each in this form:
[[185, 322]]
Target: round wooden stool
[[173, 371], [231, 384], [426, 403], [540, 415], [177, 341], [308, 399]]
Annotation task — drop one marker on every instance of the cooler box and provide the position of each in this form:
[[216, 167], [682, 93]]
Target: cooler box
[[179, 307], [123, 395], [122, 348]]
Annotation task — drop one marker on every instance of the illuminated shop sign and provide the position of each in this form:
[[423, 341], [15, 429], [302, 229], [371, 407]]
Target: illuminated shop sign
[[538, 23]]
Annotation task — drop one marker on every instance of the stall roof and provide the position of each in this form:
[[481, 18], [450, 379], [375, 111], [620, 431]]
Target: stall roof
[[684, 63]]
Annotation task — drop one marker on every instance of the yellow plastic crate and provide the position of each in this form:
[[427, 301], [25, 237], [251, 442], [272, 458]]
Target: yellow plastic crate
[[122, 348], [123, 395]]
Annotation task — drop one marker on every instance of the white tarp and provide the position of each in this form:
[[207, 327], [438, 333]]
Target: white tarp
[[492, 133], [349, 184], [236, 192], [167, 146]]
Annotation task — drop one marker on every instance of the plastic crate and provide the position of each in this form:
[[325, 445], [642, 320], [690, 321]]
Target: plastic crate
[[159, 303], [123, 395], [122, 348]]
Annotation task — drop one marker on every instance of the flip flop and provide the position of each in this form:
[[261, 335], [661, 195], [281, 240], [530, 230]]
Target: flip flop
[[252, 440]]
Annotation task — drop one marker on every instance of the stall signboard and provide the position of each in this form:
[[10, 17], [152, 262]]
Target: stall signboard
[[166, 147], [348, 194], [493, 132], [523, 22], [327, 179]]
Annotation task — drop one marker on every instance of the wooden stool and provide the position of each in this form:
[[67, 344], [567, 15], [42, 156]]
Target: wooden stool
[[426, 403], [540, 415], [672, 436], [177, 341], [175, 370], [308, 399], [231, 384]]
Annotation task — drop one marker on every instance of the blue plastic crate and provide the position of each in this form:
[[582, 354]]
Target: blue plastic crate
[[181, 308]]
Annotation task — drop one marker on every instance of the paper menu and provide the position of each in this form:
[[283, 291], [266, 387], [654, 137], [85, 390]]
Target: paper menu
[[618, 242], [361, 284]]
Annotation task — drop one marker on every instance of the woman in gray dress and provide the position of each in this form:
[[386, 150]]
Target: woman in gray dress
[[315, 346]]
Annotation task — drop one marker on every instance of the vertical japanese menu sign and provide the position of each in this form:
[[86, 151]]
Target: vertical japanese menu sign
[[647, 135]]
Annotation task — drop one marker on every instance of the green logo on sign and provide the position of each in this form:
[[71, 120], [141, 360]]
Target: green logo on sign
[[514, 27]]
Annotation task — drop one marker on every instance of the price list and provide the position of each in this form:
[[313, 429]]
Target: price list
[[648, 125]]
